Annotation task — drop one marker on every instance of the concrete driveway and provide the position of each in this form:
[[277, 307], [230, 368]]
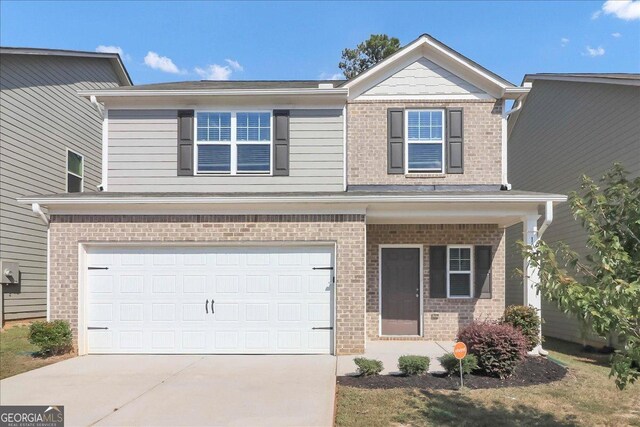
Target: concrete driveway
[[119, 390]]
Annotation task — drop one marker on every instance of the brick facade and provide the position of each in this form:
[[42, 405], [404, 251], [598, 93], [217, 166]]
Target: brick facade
[[367, 148], [442, 317], [347, 231]]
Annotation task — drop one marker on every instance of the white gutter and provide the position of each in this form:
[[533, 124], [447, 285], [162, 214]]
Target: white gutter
[[505, 137], [98, 106], [210, 92], [548, 218], [35, 207], [391, 198]]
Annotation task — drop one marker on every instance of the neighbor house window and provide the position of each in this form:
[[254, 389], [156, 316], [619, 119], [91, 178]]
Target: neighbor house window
[[75, 172], [459, 271], [425, 140], [233, 142]]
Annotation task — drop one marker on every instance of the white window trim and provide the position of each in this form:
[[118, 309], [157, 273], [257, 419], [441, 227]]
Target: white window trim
[[470, 272], [233, 142], [442, 142], [66, 166]]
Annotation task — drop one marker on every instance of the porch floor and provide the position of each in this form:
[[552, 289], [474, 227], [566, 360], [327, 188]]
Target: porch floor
[[389, 351]]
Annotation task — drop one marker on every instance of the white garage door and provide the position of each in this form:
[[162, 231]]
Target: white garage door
[[210, 300]]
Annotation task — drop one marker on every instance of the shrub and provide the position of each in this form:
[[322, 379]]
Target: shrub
[[413, 365], [452, 365], [499, 347], [51, 337], [527, 320], [368, 367]]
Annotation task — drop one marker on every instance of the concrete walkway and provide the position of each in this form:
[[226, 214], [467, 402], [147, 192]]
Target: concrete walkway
[[162, 390], [389, 351]]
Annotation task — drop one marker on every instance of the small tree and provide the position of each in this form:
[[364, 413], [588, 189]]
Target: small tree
[[367, 54], [603, 289]]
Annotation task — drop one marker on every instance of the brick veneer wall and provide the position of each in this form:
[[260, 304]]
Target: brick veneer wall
[[348, 231], [442, 317], [367, 143]]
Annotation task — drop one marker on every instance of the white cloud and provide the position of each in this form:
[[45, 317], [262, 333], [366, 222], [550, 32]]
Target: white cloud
[[595, 15], [564, 41], [616, 35], [113, 49], [214, 72], [162, 63], [330, 76], [235, 65], [624, 9], [593, 52]]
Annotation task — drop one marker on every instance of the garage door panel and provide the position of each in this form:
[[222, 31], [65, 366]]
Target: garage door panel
[[159, 300]]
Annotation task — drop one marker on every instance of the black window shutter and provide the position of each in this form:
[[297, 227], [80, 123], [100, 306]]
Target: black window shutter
[[281, 142], [455, 141], [185, 142], [483, 271], [437, 271], [395, 135]]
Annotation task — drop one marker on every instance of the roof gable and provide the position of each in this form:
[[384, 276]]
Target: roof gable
[[445, 58]]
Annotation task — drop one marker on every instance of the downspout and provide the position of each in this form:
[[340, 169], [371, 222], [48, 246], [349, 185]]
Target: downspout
[[104, 115], [548, 218], [505, 115], [37, 210]]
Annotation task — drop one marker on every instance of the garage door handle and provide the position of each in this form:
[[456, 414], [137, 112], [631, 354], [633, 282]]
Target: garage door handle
[[323, 327], [206, 306], [322, 268], [212, 310]]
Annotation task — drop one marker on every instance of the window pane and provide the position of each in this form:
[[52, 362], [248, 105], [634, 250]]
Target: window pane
[[74, 163], [214, 158], [214, 127], [425, 125], [460, 284], [74, 184], [253, 158], [425, 157], [253, 126]]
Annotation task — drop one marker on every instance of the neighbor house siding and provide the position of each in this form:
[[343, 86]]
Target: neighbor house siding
[[41, 116], [143, 155], [566, 130]]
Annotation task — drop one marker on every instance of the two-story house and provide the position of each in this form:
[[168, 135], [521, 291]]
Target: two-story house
[[293, 216], [50, 142]]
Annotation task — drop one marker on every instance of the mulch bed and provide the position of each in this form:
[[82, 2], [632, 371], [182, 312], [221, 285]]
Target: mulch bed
[[534, 370]]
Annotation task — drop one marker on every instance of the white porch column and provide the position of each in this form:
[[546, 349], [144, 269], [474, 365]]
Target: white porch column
[[532, 277]]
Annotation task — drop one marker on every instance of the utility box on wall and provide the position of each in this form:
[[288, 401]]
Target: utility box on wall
[[9, 272]]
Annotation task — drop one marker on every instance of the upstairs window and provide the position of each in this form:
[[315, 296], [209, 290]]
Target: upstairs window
[[75, 172], [459, 271], [425, 141], [233, 143]]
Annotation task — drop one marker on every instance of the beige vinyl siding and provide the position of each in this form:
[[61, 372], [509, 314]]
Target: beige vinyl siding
[[41, 116], [143, 155], [566, 130]]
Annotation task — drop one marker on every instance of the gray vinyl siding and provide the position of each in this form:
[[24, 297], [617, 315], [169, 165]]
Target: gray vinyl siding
[[143, 155], [41, 116], [566, 130]]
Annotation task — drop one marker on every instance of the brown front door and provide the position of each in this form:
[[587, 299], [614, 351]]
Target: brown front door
[[400, 291]]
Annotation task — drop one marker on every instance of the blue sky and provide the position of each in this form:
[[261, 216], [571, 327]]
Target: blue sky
[[173, 41]]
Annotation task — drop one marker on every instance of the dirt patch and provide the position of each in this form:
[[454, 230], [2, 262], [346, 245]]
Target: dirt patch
[[532, 371]]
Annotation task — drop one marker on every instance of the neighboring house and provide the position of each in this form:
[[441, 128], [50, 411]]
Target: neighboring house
[[293, 216], [569, 125], [50, 142]]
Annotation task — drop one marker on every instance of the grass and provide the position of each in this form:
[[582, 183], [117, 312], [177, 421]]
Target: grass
[[18, 355], [586, 396]]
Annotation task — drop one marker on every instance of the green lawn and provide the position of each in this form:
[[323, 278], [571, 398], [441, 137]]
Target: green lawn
[[17, 355], [586, 396]]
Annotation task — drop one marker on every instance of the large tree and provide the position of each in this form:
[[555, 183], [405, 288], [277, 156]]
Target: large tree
[[367, 54], [602, 289]]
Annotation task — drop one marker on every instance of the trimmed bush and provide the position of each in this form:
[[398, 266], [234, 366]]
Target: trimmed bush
[[499, 347], [413, 365], [527, 320], [51, 337], [368, 367], [452, 365]]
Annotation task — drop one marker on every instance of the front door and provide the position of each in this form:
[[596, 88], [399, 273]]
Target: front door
[[400, 291]]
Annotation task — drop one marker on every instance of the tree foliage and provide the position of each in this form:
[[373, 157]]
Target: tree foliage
[[603, 289], [367, 54]]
